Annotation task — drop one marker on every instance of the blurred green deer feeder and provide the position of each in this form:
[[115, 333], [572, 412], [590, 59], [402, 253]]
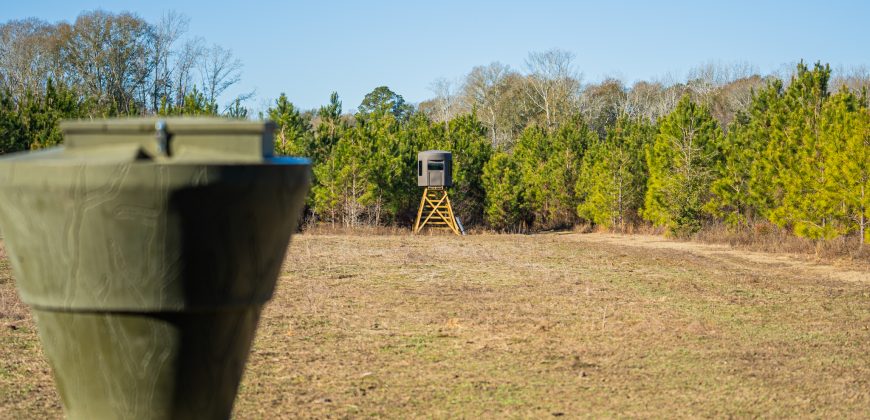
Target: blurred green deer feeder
[[147, 249]]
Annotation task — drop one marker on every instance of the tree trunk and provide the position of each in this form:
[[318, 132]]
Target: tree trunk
[[862, 223]]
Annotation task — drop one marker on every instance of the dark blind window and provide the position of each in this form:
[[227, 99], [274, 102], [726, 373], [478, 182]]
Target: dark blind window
[[436, 165], [419, 168]]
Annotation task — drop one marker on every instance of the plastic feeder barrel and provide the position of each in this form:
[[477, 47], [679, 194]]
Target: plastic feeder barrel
[[147, 249]]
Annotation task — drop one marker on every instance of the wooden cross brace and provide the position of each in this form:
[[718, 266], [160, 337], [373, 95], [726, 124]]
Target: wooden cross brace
[[437, 209]]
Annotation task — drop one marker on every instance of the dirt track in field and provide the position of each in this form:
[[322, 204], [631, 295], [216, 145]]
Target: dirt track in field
[[784, 263]]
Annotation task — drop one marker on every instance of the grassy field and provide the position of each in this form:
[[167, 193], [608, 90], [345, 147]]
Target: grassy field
[[548, 325]]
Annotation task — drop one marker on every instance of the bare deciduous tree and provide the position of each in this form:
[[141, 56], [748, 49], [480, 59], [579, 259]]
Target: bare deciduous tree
[[445, 100], [482, 91], [854, 78], [165, 34], [704, 81], [553, 84], [603, 103], [187, 57], [641, 101], [27, 56], [734, 97], [219, 70], [123, 63], [108, 57]]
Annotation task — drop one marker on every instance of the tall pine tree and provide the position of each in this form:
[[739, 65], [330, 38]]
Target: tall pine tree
[[793, 162], [682, 163], [845, 153], [292, 130], [613, 182]]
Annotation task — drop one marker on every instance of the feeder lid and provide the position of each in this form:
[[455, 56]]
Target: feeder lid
[[162, 140]]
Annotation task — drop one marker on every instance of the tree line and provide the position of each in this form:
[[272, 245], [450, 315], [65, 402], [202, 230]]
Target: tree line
[[534, 149], [104, 65], [794, 153]]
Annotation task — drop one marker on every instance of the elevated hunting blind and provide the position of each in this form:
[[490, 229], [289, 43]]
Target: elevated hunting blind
[[434, 169], [435, 174]]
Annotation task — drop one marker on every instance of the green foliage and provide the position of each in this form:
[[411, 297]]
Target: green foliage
[[467, 139], [537, 189], [12, 137], [744, 188], [368, 176], [193, 104], [32, 123], [794, 160], [614, 175], [798, 157], [383, 100], [328, 131], [783, 154], [504, 206], [390, 152], [341, 182], [543, 170], [845, 136], [236, 110], [292, 130], [550, 165], [682, 164]]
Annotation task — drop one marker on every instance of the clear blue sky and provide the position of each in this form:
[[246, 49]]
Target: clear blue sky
[[310, 48]]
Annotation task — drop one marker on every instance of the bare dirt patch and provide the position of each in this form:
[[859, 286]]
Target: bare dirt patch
[[531, 326]]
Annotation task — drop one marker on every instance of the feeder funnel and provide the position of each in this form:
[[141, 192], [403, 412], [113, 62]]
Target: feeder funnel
[[146, 249]]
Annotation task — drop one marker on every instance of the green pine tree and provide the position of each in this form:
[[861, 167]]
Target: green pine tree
[[12, 134], [329, 130], [467, 139], [41, 114], [614, 175], [504, 206], [794, 162], [744, 189], [193, 104], [292, 130], [845, 155], [682, 164], [342, 182]]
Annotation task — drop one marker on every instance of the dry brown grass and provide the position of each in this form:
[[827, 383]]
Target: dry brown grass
[[26, 388], [766, 237], [329, 229], [531, 326]]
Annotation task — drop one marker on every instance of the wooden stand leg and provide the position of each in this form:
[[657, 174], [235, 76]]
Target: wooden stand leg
[[417, 226]]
